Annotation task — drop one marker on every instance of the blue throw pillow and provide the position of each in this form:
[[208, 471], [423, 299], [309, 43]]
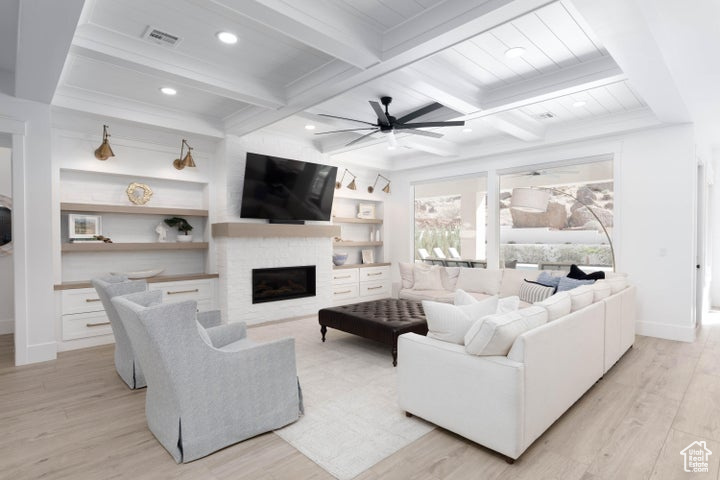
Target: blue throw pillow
[[570, 283], [548, 280]]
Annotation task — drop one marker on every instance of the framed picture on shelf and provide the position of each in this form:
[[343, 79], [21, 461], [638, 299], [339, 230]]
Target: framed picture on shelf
[[84, 226], [368, 256], [366, 211]]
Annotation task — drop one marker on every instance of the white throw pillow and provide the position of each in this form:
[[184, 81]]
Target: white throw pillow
[[507, 304], [581, 297], [601, 289], [449, 277], [557, 305], [406, 274], [495, 334], [479, 280], [427, 279], [464, 298], [450, 323]]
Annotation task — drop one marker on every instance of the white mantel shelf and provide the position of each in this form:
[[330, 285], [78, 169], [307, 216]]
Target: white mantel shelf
[[272, 230]]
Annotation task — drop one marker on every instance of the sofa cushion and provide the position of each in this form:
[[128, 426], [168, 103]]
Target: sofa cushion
[[434, 295], [406, 274], [480, 280], [601, 289], [450, 323], [532, 292], [449, 277], [617, 283], [511, 280], [557, 305], [427, 279], [570, 283], [507, 304], [495, 334], [581, 297], [578, 274]]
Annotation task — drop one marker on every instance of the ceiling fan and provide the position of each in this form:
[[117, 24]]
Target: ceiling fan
[[388, 124]]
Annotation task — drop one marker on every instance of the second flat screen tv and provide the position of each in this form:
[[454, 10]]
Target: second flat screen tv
[[281, 189]]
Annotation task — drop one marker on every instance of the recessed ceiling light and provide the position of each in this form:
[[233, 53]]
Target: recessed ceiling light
[[168, 90], [467, 130], [514, 52], [579, 103], [227, 37], [309, 126]]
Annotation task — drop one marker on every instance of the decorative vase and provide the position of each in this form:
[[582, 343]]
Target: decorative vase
[[184, 238]]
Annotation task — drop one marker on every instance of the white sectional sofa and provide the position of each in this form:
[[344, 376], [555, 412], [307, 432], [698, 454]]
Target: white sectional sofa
[[506, 402]]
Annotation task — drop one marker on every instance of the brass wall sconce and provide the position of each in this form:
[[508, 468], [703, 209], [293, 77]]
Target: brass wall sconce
[[187, 160], [352, 185], [385, 189], [103, 152]]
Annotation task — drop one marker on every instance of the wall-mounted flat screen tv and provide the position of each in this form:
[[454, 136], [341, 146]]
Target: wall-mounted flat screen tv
[[281, 189]]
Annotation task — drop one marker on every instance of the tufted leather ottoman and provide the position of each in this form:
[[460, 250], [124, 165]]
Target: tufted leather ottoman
[[380, 320]]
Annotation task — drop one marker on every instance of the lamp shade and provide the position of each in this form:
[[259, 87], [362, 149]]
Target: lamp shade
[[530, 199]]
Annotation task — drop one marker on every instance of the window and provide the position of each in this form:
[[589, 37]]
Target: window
[[450, 219], [566, 232]]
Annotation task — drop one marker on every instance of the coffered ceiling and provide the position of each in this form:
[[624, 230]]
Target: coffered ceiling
[[295, 59]]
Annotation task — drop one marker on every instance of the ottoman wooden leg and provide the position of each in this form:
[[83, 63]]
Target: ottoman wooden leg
[[394, 354], [323, 331]]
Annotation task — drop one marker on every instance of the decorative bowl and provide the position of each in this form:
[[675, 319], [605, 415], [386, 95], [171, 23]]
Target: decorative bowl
[[339, 258], [140, 273], [184, 238]]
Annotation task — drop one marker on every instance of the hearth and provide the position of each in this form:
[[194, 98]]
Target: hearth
[[284, 283]]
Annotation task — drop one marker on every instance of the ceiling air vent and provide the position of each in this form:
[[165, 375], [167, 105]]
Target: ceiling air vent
[[546, 115], [160, 37]]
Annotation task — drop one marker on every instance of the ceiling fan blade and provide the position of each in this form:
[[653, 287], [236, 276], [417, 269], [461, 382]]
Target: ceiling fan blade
[[382, 118], [431, 124], [360, 139], [347, 130], [420, 112], [423, 133], [344, 118]]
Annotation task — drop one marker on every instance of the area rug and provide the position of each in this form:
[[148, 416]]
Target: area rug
[[352, 420]]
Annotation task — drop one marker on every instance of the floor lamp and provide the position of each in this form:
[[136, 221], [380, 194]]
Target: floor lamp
[[536, 199]]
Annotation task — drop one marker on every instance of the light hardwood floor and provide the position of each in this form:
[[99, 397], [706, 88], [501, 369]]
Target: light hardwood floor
[[75, 419]]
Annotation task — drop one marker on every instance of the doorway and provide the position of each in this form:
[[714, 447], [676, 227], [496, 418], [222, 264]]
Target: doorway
[[7, 277]]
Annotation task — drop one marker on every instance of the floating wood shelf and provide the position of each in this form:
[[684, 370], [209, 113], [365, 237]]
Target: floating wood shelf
[[132, 247], [348, 243], [270, 230], [361, 265], [156, 279], [131, 209], [375, 221]]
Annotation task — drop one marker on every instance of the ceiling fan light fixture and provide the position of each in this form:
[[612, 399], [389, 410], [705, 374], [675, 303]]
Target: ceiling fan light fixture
[[309, 126], [467, 130], [103, 152], [515, 52]]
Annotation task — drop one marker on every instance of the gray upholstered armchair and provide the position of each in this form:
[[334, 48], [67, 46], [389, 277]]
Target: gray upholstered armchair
[[115, 285], [201, 398]]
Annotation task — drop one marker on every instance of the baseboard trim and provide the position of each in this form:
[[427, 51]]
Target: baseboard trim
[[41, 352], [668, 332], [7, 326]]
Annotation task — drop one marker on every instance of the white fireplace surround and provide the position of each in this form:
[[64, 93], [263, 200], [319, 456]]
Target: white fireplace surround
[[238, 255]]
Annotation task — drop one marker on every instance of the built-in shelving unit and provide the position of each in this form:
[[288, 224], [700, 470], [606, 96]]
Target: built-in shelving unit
[[372, 221], [155, 279], [357, 235], [131, 247], [352, 243], [131, 209]]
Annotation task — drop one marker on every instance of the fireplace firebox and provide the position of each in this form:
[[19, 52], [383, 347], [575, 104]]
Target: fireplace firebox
[[284, 283]]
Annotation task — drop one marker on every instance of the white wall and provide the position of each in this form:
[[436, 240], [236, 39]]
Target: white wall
[[7, 322], [654, 236]]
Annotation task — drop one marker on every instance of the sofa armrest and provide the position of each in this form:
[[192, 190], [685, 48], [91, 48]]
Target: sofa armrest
[[226, 334], [211, 318]]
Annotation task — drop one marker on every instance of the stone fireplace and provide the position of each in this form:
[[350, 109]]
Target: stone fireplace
[[282, 283]]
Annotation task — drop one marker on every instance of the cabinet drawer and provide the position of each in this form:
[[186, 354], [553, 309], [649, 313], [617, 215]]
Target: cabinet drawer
[[81, 300], [345, 276], [178, 291], [344, 292], [374, 274], [83, 325], [372, 289]]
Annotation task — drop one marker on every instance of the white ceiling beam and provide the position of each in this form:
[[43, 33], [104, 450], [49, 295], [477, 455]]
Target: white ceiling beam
[[320, 25], [625, 34], [102, 44], [435, 146], [461, 20], [569, 80], [438, 86], [518, 125], [45, 32]]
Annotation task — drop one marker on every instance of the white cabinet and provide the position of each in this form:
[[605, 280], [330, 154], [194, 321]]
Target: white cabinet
[[202, 291], [360, 284]]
